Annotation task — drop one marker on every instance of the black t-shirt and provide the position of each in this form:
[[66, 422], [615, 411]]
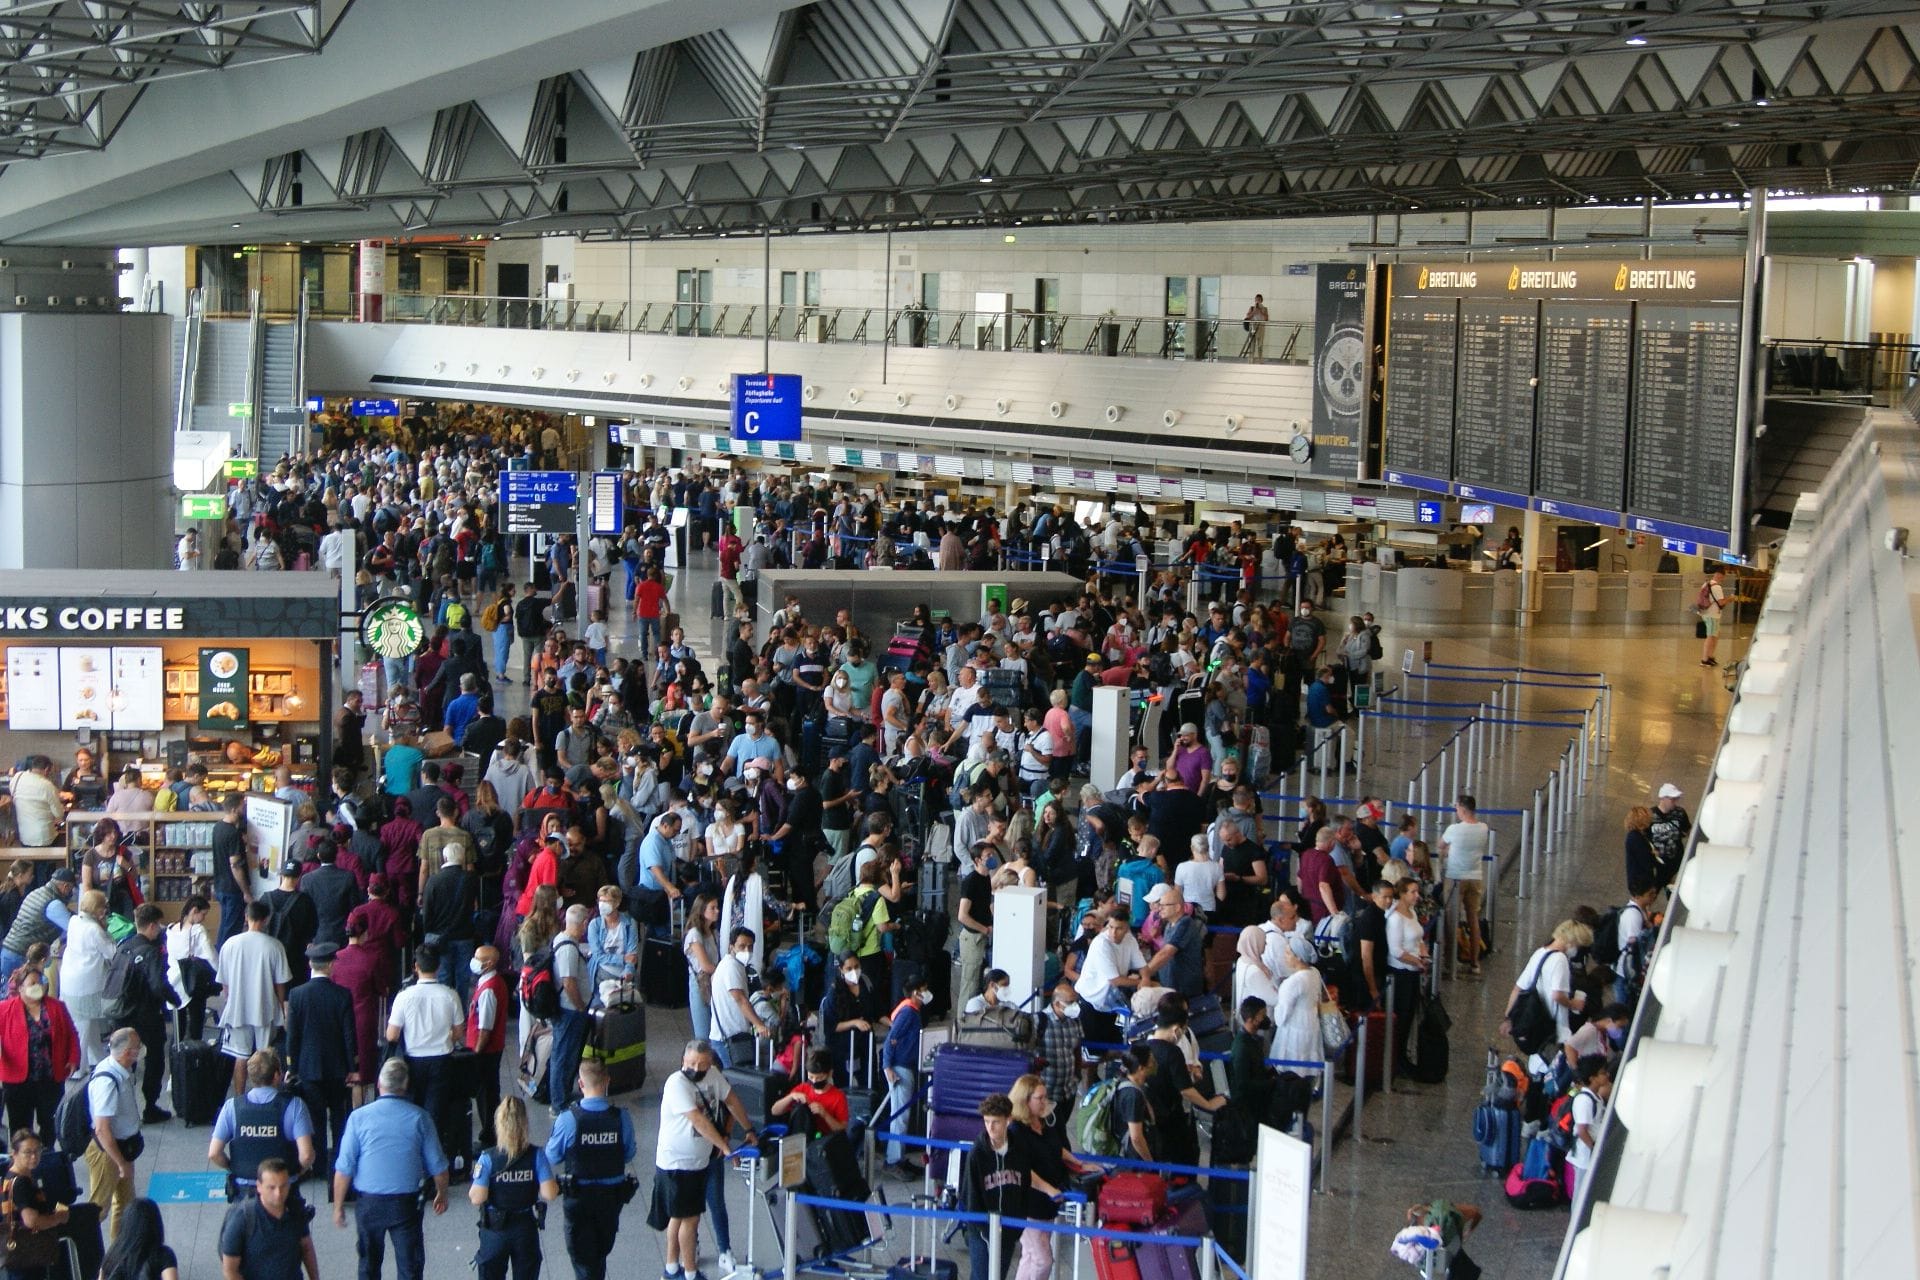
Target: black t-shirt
[[1245, 902], [1370, 925], [977, 889], [1045, 1155], [151, 1267], [1170, 1077], [803, 812], [228, 844], [833, 785], [1132, 1106]]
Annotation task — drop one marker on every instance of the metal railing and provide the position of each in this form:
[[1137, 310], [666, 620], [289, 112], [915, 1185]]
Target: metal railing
[[1876, 373], [1038, 332], [189, 361]]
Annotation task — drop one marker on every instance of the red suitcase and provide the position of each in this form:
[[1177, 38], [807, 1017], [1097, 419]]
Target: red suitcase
[[1136, 1200], [1374, 1027], [1115, 1260]]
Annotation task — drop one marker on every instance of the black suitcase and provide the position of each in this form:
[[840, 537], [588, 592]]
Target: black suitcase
[[663, 974], [759, 1088], [201, 1080], [833, 1171], [717, 607], [619, 1041]]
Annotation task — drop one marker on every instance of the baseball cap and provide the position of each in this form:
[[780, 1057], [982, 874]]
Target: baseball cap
[[1670, 792], [1190, 727], [1157, 893]]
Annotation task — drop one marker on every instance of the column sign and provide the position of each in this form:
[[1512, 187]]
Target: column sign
[[1339, 368], [223, 688], [766, 406], [609, 502], [539, 502]]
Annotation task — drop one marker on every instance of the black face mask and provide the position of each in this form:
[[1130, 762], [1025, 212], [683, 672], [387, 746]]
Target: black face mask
[[693, 1075]]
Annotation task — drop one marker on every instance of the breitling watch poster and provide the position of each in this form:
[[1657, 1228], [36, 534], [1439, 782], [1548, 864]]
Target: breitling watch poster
[[1339, 368]]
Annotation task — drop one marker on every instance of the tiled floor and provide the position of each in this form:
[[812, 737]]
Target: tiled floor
[[1666, 722]]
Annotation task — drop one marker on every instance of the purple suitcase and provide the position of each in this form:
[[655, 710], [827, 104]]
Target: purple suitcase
[[1171, 1261], [964, 1075], [949, 1129]]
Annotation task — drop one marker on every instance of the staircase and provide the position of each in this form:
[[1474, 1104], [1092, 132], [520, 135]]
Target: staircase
[[246, 362], [280, 385]]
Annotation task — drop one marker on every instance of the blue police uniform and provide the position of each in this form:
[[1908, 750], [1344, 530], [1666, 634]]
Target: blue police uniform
[[262, 1124], [510, 1220], [593, 1141], [389, 1152]]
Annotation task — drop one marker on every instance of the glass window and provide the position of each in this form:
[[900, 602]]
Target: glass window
[[811, 283], [1176, 295]]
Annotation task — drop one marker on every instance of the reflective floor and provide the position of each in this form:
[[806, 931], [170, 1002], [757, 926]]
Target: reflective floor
[[1418, 1145]]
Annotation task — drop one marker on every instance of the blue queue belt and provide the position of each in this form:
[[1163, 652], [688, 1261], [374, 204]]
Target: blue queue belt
[[1117, 1162], [1524, 671], [981, 1219]]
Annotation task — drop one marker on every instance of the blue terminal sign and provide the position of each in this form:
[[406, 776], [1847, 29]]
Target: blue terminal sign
[[1428, 512], [375, 408], [766, 406], [539, 501]]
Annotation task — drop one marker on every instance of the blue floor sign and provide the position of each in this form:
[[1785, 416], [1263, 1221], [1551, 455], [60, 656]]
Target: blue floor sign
[[205, 1187]]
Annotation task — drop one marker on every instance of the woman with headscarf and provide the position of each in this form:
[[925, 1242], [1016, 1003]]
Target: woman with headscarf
[[1251, 976], [1296, 1013]]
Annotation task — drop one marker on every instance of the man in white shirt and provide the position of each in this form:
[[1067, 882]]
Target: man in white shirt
[[333, 550], [695, 1106], [37, 807], [733, 1015], [1108, 978], [1462, 846], [253, 970], [427, 1023]]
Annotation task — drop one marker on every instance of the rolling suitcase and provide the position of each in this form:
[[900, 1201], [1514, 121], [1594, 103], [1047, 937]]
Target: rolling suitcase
[[200, 1080], [1174, 1261], [663, 974], [85, 1246], [759, 1086], [964, 1075], [619, 1041], [1115, 1260], [1374, 1027]]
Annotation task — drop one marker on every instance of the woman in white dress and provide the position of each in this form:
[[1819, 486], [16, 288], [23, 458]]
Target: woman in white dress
[[726, 836], [743, 906], [83, 973], [1296, 1014]]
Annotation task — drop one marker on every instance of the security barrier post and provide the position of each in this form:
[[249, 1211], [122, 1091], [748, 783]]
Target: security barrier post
[[1326, 1122], [1386, 1065], [993, 1245]]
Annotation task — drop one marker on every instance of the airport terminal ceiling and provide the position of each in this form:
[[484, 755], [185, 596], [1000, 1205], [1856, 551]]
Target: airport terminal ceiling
[[326, 120]]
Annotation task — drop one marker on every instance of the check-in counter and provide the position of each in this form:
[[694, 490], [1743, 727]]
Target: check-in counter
[[1448, 596]]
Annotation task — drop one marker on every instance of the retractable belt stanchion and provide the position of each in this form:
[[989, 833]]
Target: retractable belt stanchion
[[1489, 877], [1386, 1066], [1526, 846]]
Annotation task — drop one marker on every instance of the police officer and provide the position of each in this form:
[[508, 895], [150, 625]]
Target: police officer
[[389, 1152], [511, 1183], [266, 1122], [593, 1141], [320, 1047]]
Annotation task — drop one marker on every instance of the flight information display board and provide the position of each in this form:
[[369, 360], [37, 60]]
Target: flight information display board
[[1586, 350], [1685, 414], [1422, 335], [1493, 414]]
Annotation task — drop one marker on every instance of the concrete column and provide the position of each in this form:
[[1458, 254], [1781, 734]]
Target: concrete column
[[86, 446]]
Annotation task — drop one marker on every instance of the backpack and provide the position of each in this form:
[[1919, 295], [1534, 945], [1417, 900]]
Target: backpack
[[847, 925], [539, 987], [1559, 1130], [456, 615], [1533, 1022], [73, 1118], [1092, 1120], [125, 992], [1534, 1183], [1703, 600], [490, 616], [1606, 938], [1300, 634], [1374, 651]]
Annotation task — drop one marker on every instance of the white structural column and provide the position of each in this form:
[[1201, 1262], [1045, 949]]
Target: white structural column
[[86, 445]]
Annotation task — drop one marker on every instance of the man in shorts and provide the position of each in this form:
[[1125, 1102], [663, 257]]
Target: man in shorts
[[253, 970], [697, 1109], [1462, 846]]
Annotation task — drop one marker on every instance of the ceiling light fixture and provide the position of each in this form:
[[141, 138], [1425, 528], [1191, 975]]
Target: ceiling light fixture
[[984, 178], [1636, 41]]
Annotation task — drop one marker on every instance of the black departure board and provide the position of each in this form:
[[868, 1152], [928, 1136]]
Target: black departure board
[[1493, 409], [1421, 333], [1581, 444], [1685, 399]]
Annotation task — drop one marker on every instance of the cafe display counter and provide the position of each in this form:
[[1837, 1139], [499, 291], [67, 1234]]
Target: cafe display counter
[[170, 849]]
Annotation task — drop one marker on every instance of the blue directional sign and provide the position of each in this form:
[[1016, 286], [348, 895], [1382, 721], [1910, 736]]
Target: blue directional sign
[[766, 406], [1428, 512], [539, 501], [376, 408]]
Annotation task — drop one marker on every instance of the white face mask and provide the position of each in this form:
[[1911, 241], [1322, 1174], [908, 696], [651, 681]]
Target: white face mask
[[743, 955], [606, 909], [475, 966], [36, 991], [852, 976], [1070, 1010]]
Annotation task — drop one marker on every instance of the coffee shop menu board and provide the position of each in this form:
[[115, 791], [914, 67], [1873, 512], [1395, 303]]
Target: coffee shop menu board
[[223, 688], [52, 688]]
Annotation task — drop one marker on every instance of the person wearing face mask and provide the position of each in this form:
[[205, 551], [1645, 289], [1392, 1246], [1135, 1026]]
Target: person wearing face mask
[[1060, 1038], [486, 1035], [33, 1080], [613, 946], [427, 1021], [817, 1104], [735, 1024], [848, 1016], [796, 839], [697, 1109]]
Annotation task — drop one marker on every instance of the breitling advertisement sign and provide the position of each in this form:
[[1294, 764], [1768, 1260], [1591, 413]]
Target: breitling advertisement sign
[[1339, 368]]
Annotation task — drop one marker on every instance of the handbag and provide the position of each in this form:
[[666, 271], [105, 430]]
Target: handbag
[[1335, 1032], [26, 1249]]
